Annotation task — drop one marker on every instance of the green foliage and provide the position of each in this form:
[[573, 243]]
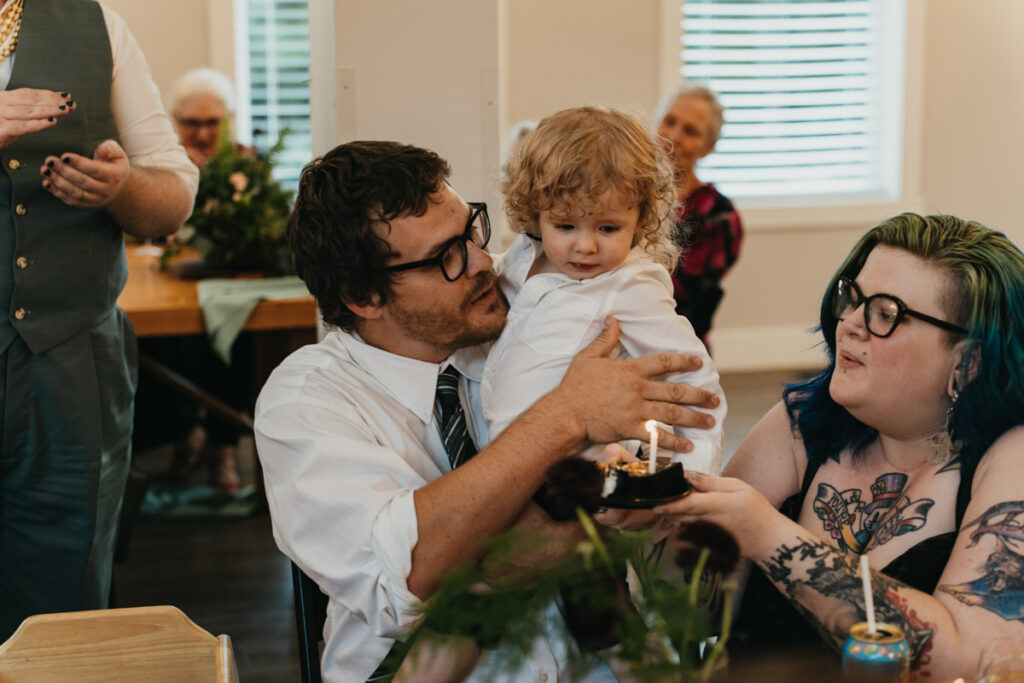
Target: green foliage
[[657, 631], [240, 213]]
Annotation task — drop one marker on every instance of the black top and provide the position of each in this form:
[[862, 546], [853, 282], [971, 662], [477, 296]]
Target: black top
[[768, 622]]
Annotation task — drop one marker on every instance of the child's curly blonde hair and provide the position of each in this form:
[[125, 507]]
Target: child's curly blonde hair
[[574, 156]]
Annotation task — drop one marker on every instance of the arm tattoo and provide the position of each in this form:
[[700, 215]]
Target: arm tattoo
[[814, 574], [1000, 588]]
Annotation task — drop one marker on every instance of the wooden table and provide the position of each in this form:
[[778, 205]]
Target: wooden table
[[160, 304]]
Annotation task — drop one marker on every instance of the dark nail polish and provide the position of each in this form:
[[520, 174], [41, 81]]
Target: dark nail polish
[[51, 119], [47, 173], [62, 107], [66, 160], [65, 95], [71, 103], [50, 163]]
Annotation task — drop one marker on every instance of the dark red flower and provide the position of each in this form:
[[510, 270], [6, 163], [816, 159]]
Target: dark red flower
[[572, 483], [695, 536]]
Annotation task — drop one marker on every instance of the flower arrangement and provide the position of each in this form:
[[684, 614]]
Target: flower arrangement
[[238, 223], [662, 631]]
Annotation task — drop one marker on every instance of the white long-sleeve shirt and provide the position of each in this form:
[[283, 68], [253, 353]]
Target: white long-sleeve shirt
[[346, 432], [553, 316]]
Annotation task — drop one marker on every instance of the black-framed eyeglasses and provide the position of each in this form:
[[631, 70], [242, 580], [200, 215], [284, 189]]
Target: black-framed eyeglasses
[[454, 253], [882, 312]]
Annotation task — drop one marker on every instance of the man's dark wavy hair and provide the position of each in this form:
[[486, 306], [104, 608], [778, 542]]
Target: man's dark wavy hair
[[344, 200]]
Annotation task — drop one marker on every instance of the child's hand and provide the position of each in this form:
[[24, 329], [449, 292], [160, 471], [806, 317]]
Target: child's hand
[[614, 452]]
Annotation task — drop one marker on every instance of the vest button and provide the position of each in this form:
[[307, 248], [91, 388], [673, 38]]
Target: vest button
[[20, 210], [20, 314], [14, 164], [22, 262]]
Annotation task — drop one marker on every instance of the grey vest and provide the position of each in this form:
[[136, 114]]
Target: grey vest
[[61, 268]]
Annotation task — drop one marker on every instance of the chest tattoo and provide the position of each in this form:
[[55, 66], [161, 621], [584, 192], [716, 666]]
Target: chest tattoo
[[858, 525]]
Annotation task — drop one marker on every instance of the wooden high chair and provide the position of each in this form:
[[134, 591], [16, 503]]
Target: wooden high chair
[[154, 644]]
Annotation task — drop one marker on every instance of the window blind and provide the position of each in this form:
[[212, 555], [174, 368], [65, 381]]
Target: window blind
[[272, 64], [812, 92]]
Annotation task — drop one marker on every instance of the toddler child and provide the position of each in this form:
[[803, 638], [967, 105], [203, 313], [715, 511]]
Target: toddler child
[[592, 195]]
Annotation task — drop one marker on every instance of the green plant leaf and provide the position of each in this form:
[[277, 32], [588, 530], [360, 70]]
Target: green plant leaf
[[240, 215]]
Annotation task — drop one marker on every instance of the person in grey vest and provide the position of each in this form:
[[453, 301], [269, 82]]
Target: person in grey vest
[[86, 152]]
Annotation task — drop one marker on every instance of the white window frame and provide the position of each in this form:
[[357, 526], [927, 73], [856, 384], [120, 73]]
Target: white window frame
[[828, 211], [243, 113]]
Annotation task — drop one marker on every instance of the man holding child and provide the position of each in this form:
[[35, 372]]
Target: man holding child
[[359, 463]]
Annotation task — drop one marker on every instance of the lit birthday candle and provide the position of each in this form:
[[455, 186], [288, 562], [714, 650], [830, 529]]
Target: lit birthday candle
[[652, 427]]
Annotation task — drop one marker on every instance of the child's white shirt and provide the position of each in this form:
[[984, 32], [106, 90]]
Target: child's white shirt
[[553, 316]]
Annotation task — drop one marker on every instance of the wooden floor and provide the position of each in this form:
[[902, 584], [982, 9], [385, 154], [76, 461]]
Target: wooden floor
[[228, 576], [225, 574]]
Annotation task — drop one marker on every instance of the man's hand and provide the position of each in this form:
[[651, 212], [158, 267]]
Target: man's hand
[[30, 110], [611, 399], [87, 183]]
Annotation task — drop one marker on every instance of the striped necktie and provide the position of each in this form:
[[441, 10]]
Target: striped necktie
[[454, 433]]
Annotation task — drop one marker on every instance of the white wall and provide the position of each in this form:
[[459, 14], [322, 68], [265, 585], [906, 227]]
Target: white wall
[[453, 74], [973, 159], [180, 35], [420, 73], [571, 52]]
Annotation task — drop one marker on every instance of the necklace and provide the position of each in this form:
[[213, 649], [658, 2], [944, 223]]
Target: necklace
[[10, 26]]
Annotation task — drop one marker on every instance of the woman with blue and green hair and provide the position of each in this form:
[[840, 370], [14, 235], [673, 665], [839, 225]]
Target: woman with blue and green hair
[[906, 449]]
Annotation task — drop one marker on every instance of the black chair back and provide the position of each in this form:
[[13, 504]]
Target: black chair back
[[310, 614]]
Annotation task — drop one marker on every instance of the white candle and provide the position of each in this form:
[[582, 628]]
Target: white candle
[[652, 427], [869, 598]]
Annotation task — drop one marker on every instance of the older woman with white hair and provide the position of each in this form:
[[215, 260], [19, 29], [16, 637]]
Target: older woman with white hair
[[201, 100], [687, 122]]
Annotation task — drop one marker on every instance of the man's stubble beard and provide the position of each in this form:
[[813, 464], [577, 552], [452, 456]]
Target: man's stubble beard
[[447, 332]]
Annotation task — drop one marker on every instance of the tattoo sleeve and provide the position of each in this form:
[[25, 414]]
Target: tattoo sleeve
[[1000, 588], [825, 587]]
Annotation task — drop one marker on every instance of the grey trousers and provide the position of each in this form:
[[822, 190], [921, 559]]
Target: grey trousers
[[65, 440]]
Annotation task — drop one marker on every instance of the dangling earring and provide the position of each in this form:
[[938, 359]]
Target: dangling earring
[[949, 411], [944, 446], [956, 444]]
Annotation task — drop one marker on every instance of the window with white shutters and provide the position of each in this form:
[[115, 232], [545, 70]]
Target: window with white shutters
[[272, 67], [813, 95]]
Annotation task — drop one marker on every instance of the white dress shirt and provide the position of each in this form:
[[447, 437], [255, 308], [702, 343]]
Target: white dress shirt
[[345, 433], [144, 129], [553, 316]]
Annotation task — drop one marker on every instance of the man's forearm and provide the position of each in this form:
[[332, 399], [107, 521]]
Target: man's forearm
[[482, 498], [599, 399], [152, 203]]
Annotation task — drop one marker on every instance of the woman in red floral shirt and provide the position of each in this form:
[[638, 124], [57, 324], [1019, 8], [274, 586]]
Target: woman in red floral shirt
[[688, 123]]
